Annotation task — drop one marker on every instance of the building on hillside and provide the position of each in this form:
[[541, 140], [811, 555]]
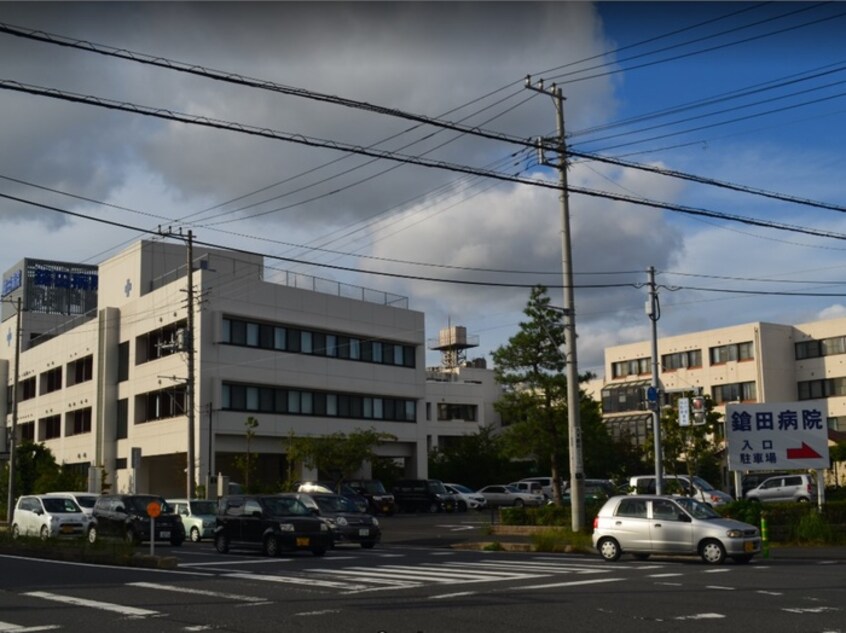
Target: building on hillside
[[752, 362], [103, 375]]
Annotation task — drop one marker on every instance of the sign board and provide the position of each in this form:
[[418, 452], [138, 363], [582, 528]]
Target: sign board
[[781, 435], [154, 509], [684, 412]]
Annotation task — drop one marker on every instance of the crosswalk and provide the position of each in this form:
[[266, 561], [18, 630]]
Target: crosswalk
[[346, 577]]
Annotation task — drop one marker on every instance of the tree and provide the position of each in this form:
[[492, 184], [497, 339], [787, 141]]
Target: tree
[[530, 369], [340, 455], [36, 472], [245, 462], [473, 460]]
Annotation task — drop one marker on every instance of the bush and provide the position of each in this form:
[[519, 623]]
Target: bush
[[561, 540]]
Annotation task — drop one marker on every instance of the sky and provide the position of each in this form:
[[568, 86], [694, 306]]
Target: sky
[[750, 94]]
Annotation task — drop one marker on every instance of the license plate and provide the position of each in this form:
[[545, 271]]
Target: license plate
[[67, 529], [364, 532], [750, 546], [165, 533], [302, 541]]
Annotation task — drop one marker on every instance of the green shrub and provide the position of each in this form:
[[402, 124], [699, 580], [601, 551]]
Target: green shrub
[[561, 540], [812, 529]]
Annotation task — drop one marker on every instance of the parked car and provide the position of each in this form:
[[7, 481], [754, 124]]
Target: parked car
[[198, 517], [466, 498], [801, 488], [546, 484], [85, 500], [755, 479], [346, 523], [596, 490], [48, 517], [273, 523], [642, 525], [694, 487], [503, 495], [423, 495], [379, 500], [533, 487], [330, 488], [127, 517]]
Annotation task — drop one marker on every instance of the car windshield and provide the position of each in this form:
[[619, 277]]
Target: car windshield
[[437, 487], [333, 503], [373, 487], [86, 501], [203, 507], [463, 489], [60, 504], [284, 506], [702, 484], [139, 505], [512, 489], [696, 509]]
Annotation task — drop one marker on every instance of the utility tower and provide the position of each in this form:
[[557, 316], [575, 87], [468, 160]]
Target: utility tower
[[453, 343]]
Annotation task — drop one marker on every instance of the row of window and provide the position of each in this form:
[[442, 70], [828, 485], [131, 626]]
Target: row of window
[[735, 392], [77, 422], [80, 370], [822, 347], [822, 388], [718, 355], [300, 341], [261, 399]]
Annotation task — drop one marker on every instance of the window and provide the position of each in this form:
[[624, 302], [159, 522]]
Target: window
[[735, 392], [158, 405], [26, 389], [27, 431], [448, 411], [734, 351], [122, 419], [632, 508], [680, 360], [623, 397], [51, 380], [162, 342], [632, 367], [123, 361], [78, 422], [81, 370], [821, 388], [50, 427], [823, 347]]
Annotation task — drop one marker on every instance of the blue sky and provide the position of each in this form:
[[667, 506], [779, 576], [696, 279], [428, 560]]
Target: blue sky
[[460, 62]]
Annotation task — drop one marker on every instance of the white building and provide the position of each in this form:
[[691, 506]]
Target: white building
[[752, 362], [103, 367]]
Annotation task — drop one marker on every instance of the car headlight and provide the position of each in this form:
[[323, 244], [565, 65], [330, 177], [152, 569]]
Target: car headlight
[[286, 527], [324, 527], [375, 522], [734, 533], [341, 521]]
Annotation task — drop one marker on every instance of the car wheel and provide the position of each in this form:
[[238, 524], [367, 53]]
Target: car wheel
[[462, 506], [609, 549], [195, 535], [221, 543], [742, 559], [434, 507], [368, 544], [320, 551], [803, 500], [92, 535], [16, 531], [641, 556], [271, 546], [712, 552], [518, 503], [44, 534], [130, 537]]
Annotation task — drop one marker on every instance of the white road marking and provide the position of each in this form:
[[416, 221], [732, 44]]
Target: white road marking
[[452, 595], [573, 583], [291, 580], [662, 575], [701, 616], [770, 593], [716, 571], [810, 609], [719, 588], [249, 561], [94, 604], [196, 592], [669, 584], [7, 627], [535, 566], [323, 612]]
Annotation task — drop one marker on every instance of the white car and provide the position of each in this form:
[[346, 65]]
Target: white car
[[466, 498], [503, 495], [198, 516], [85, 500], [48, 517]]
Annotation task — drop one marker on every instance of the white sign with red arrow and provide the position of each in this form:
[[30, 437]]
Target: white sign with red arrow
[[782, 435]]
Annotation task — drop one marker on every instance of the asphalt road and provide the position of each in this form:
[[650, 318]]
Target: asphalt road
[[411, 585]]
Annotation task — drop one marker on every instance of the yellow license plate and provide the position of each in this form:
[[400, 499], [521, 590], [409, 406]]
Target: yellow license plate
[[750, 546], [67, 529], [302, 541]]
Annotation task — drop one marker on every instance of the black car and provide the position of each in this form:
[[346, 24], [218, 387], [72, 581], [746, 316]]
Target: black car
[[271, 522], [128, 517], [379, 500], [424, 495], [347, 524], [333, 488]]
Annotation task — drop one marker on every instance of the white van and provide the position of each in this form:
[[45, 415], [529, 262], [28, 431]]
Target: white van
[[695, 487]]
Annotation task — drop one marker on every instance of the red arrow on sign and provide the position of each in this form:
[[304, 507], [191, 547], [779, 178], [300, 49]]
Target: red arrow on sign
[[806, 452]]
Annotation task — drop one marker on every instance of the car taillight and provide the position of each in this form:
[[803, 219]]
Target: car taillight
[[595, 522]]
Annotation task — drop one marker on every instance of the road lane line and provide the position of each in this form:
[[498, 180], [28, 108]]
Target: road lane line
[[458, 594], [573, 583], [291, 580], [719, 588], [7, 627], [196, 592], [701, 616], [94, 604]]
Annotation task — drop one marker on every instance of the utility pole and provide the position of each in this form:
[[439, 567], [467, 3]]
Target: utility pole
[[13, 439], [653, 311], [189, 387], [577, 493]]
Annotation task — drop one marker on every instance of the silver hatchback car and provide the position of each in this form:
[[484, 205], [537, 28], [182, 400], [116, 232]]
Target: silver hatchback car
[[647, 524]]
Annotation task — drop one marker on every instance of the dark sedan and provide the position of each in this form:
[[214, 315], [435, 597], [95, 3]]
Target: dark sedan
[[346, 523]]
